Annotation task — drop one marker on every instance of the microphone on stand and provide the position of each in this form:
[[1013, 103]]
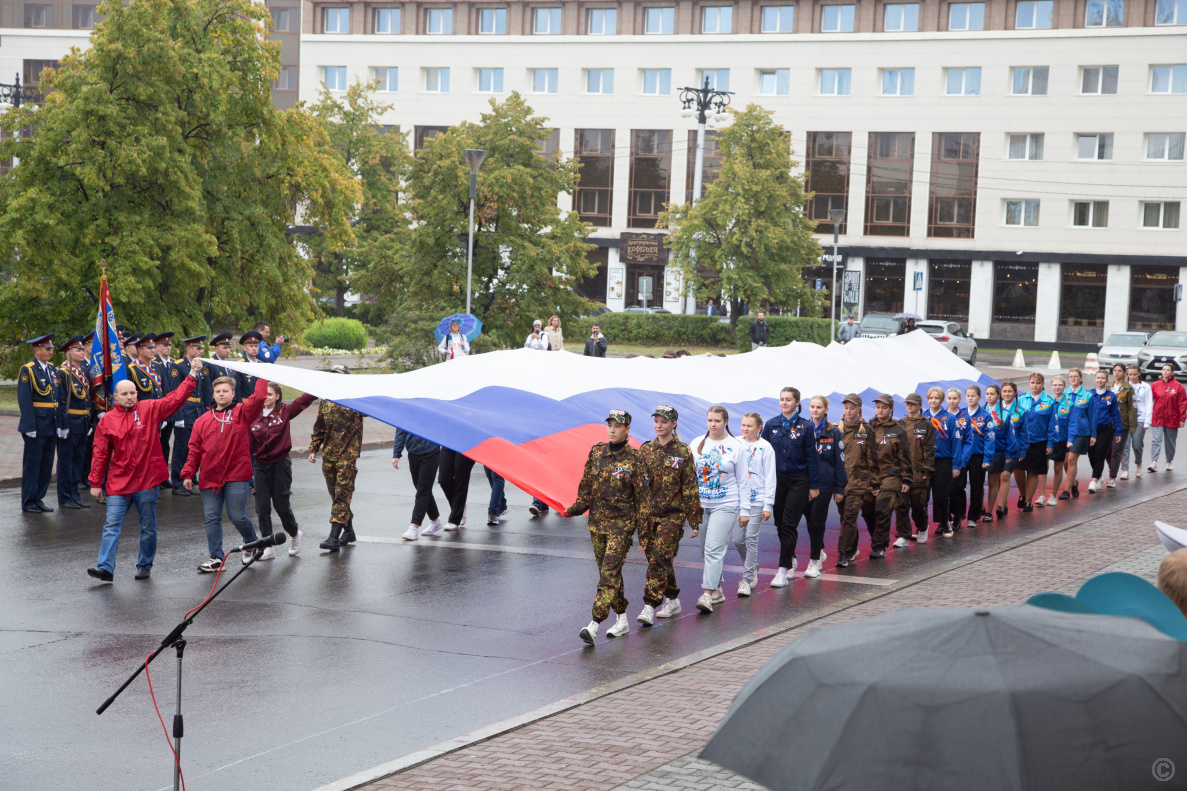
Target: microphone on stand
[[267, 541]]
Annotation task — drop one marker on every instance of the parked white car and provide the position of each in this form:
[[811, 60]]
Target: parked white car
[[1122, 347], [953, 337]]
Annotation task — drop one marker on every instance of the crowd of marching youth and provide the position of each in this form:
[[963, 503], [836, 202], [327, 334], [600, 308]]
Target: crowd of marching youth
[[884, 470]]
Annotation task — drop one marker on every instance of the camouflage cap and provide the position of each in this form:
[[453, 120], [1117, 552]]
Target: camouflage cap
[[885, 398], [619, 416], [667, 412], [914, 398], [852, 398]]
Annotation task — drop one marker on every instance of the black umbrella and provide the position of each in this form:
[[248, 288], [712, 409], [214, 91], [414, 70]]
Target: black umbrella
[[960, 700]]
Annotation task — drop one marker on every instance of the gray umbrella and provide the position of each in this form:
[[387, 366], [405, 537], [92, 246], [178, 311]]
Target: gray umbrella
[[1004, 698]]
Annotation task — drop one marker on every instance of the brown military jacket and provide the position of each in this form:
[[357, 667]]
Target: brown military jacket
[[337, 432], [860, 456], [919, 451], [613, 490], [672, 492], [888, 460]]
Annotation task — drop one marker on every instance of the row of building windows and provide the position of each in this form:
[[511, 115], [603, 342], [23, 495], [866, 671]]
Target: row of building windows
[[962, 81], [1081, 295], [661, 20], [1024, 213]]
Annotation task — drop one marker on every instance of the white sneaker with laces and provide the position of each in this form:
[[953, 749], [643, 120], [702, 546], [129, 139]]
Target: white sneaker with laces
[[899, 543], [295, 547], [647, 617], [921, 538], [210, 566], [269, 554], [780, 580], [1125, 475], [813, 569], [823, 557], [1112, 484], [1168, 466], [411, 534], [743, 589], [705, 603], [245, 557], [1092, 487], [590, 633], [669, 608], [718, 596], [433, 529], [620, 628], [1138, 473], [450, 528]]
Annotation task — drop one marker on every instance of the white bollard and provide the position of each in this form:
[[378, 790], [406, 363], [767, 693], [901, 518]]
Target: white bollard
[[1054, 364], [1091, 364], [1019, 360]]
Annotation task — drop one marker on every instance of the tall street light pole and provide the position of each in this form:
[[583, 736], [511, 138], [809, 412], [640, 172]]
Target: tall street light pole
[[837, 216], [703, 101], [474, 157]]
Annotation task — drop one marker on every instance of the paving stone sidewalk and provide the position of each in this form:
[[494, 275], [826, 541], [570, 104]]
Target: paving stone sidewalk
[[646, 736]]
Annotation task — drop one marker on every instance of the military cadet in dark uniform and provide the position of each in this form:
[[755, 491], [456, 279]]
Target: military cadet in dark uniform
[[128, 341], [74, 422], [37, 395], [191, 410], [338, 434], [861, 455], [221, 346], [673, 499], [143, 372], [889, 464], [919, 462], [165, 366], [250, 341], [614, 491]]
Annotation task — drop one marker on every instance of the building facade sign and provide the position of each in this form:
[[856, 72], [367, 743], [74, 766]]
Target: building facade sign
[[642, 248]]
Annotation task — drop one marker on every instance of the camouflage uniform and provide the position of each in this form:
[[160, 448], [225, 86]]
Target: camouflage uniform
[[673, 497], [338, 434], [614, 491]]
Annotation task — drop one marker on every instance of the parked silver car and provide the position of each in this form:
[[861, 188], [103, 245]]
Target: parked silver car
[[878, 327], [1164, 347], [1122, 347], [953, 337]]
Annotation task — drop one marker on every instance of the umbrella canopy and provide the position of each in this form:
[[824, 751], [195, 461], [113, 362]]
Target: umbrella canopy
[[905, 316], [1005, 698], [1173, 538], [471, 327]]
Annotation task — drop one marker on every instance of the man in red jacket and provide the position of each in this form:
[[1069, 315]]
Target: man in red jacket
[[128, 452], [220, 446], [1170, 411]]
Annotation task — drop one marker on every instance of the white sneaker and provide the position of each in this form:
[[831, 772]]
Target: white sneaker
[[411, 534], [1112, 484], [1125, 475], [245, 557], [295, 547], [705, 603], [269, 554], [1168, 466], [823, 557], [451, 527], [1092, 487], [669, 608], [718, 596], [813, 569], [647, 617], [743, 589], [436, 525], [921, 538], [780, 580], [899, 543], [464, 512], [1138, 472], [1040, 501], [620, 628], [590, 633], [433, 529]]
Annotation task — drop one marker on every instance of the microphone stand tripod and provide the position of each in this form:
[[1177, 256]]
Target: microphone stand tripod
[[176, 640]]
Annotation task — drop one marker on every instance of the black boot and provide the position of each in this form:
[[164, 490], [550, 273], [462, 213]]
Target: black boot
[[348, 536], [332, 543]]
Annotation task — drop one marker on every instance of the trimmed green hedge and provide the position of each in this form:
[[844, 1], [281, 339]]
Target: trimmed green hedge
[[336, 333], [676, 331]]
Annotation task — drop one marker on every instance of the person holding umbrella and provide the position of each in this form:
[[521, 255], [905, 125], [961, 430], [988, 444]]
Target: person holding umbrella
[[454, 344], [907, 322]]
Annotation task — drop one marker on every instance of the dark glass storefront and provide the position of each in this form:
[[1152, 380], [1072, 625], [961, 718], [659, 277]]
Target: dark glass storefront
[[948, 291], [1152, 298], [1015, 294], [884, 285], [1082, 303], [594, 288]]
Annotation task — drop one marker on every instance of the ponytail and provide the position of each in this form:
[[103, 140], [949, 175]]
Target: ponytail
[[725, 415]]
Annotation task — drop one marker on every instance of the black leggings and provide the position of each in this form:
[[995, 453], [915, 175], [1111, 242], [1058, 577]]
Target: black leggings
[[976, 475], [817, 520], [274, 483], [1100, 453], [791, 503], [423, 467], [941, 482], [454, 477], [957, 499]]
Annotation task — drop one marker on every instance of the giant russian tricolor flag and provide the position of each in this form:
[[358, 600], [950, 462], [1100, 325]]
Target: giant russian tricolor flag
[[532, 416]]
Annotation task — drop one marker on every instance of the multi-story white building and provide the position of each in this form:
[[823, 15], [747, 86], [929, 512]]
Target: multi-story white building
[[1013, 165]]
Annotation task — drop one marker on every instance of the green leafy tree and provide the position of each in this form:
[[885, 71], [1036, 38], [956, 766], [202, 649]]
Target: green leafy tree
[[748, 235], [527, 252], [379, 161], [158, 150]]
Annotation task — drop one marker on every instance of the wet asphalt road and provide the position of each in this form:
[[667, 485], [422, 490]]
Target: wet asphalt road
[[312, 668]]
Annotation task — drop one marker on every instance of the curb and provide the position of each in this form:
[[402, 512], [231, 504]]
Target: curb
[[489, 732]]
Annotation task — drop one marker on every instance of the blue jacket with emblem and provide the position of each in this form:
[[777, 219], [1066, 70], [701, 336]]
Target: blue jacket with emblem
[[948, 439], [1037, 425], [1082, 421], [1005, 440], [830, 452], [1062, 417], [795, 448], [1107, 411], [977, 432]]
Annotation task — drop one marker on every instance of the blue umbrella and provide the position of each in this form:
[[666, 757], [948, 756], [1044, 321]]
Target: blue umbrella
[[470, 325]]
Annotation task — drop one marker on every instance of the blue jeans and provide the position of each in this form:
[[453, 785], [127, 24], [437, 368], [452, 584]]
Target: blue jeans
[[234, 496], [498, 487], [117, 507]]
